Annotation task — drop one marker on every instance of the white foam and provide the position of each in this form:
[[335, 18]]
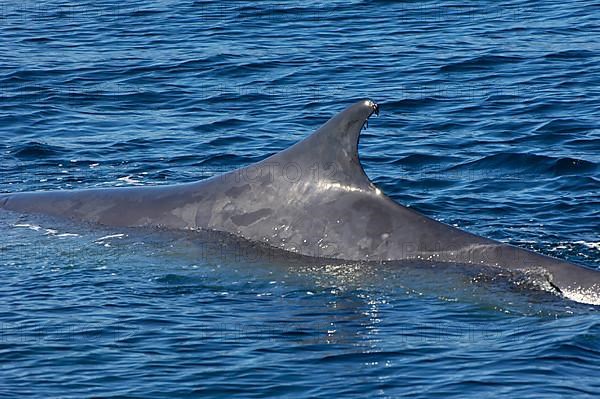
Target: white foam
[[582, 296], [120, 235], [130, 180], [29, 226], [592, 245], [48, 232]]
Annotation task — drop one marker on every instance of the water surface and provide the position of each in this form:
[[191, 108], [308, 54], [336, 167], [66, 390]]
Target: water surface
[[489, 122]]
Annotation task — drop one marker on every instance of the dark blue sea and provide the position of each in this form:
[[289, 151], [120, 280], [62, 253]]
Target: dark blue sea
[[489, 122]]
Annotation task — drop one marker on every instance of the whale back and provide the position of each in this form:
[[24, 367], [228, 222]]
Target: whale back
[[313, 199]]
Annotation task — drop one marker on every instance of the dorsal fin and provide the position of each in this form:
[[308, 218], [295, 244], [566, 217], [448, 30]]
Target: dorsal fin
[[332, 150]]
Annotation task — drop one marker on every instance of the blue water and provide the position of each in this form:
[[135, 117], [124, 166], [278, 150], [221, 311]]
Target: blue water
[[489, 121]]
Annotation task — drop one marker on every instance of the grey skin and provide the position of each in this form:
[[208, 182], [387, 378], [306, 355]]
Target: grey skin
[[312, 198]]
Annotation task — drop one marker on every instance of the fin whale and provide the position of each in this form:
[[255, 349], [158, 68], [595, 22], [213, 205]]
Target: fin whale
[[313, 199]]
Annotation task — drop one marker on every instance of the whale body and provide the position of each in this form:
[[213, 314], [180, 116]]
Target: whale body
[[312, 199]]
